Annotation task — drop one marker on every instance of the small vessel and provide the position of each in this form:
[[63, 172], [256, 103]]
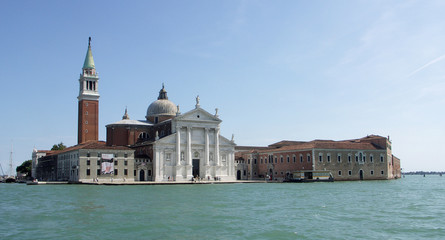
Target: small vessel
[[311, 176]]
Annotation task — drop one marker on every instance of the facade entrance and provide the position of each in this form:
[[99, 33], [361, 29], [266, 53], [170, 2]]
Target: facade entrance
[[361, 174], [141, 175], [195, 168], [238, 175]]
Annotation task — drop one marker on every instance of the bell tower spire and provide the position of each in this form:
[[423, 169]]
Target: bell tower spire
[[88, 100]]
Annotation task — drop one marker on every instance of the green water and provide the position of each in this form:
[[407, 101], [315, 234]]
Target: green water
[[408, 208]]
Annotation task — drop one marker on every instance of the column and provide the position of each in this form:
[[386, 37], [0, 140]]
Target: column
[[189, 145], [207, 152], [217, 160], [178, 145]]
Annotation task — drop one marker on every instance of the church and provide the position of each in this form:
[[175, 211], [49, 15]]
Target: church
[[166, 146]]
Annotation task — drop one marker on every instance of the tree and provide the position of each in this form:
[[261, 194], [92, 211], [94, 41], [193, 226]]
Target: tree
[[59, 146], [25, 168]]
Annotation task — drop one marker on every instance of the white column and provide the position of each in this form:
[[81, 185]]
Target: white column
[[217, 160], [178, 145], [207, 152], [189, 145]]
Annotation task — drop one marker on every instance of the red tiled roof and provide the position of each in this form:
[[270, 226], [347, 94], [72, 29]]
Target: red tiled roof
[[91, 145]]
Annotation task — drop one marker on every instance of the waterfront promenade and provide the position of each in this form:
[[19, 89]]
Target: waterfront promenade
[[103, 182]]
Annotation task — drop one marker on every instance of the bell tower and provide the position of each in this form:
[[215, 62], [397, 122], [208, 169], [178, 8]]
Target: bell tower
[[88, 123]]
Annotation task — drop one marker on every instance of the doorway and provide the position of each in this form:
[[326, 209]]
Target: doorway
[[361, 174], [195, 168], [141, 175], [238, 175]]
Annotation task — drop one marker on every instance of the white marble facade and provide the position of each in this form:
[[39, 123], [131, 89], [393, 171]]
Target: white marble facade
[[194, 149]]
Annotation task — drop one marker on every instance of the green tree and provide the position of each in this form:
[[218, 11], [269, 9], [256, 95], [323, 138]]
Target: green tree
[[25, 168], [59, 146]]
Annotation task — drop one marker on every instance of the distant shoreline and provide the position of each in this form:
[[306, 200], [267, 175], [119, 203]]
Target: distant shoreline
[[422, 173]]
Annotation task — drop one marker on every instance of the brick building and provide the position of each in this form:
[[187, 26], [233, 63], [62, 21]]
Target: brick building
[[357, 159]]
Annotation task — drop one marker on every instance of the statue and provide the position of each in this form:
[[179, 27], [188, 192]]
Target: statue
[[177, 110], [233, 137], [197, 101], [216, 112]]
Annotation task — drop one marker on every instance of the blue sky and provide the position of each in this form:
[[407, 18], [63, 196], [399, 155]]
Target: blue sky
[[294, 70]]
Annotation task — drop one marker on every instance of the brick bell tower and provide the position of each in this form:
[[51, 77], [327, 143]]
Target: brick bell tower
[[88, 123]]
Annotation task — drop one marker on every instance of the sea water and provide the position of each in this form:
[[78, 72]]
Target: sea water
[[409, 208]]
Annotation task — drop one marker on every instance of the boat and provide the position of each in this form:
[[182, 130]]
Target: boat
[[310, 176]]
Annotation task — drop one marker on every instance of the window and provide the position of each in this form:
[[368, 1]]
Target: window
[[371, 158], [281, 159], [88, 162], [149, 173], [364, 158], [382, 172], [134, 173], [169, 155], [254, 161], [125, 155], [125, 172], [320, 158], [356, 158], [88, 155], [381, 159], [98, 162], [339, 173], [261, 159], [308, 158], [276, 160], [301, 158], [349, 172], [372, 172], [288, 159], [349, 158], [248, 161], [115, 172], [339, 158], [244, 172], [88, 172], [295, 158], [98, 154], [126, 163], [115, 163], [329, 158], [98, 172]]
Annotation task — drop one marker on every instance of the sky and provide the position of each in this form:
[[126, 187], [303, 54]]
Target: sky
[[276, 70]]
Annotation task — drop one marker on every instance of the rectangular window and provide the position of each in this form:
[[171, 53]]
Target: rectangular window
[[381, 158], [88, 154], [356, 158], [276, 160], [98, 162], [295, 159], [382, 172], [339, 173], [364, 158], [125, 172], [339, 158], [115, 172], [134, 173], [254, 161], [349, 172], [126, 163], [288, 159], [281, 159], [329, 158], [88, 162], [88, 172], [371, 159], [125, 155], [301, 158], [115, 163], [308, 158], [320, 158], [98, 172], [349, 159], [261, 160], [372, 172]]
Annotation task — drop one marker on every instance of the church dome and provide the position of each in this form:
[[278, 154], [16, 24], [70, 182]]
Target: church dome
[[161, 107]]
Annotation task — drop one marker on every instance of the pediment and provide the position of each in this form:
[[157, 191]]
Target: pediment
[[198, 115]]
